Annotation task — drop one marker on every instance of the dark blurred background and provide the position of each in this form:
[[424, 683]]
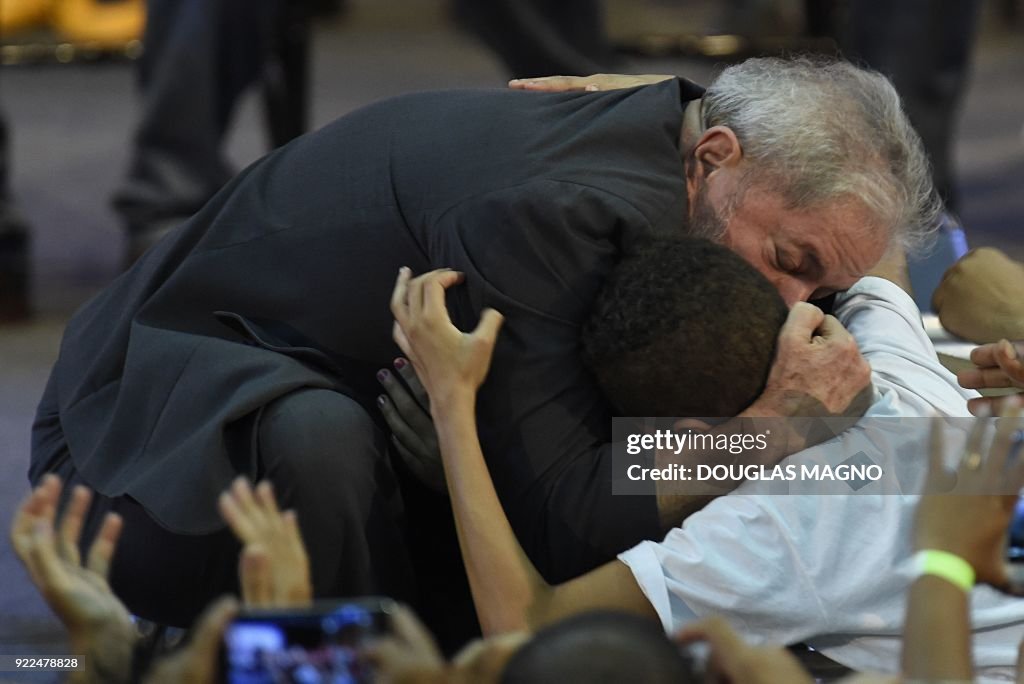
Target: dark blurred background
[[70, 95]]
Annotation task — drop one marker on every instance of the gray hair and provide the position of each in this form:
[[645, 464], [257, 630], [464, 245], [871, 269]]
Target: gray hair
[[823, 130]]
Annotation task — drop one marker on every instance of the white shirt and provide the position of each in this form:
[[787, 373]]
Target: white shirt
[[829, 570]]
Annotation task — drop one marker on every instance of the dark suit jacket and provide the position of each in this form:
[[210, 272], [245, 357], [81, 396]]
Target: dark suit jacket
[[283, 280]]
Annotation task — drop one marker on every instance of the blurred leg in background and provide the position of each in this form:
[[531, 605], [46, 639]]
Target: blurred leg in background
[[200, 57], [925, 47], [541, 37], [14, 245]]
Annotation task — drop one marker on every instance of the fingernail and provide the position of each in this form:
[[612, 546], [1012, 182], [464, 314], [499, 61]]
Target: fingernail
[[382, 375], [515, 80], [400, 363], [381, 400], [1009, 349], [591, 88]]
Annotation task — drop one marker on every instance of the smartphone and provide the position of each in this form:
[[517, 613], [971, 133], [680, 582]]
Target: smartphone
[[321, 643]]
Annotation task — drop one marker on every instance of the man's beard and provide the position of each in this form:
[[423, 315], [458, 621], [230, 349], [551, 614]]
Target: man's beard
[[706, 222]]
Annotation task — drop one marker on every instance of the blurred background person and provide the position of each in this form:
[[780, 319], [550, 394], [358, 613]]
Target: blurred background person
[[925, 48], [14, 244], [200, 57]]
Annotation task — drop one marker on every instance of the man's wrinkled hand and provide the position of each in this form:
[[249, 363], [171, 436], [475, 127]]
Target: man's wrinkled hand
[[980, 299], [818, 370], [592, 83]]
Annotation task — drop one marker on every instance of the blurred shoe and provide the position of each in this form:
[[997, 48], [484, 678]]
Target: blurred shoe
[[14, 266], [18, 15], [109, 25]]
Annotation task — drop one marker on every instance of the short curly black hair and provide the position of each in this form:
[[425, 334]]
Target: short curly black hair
[[601, 646], [683, 327]]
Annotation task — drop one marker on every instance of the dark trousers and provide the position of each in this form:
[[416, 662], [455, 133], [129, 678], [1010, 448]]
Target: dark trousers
[[4, 159], [327, 460], [541, 37], [14, 243], [200, 56]]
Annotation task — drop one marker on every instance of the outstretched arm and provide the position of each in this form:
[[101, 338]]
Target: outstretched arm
[[961, 521], [508, 591], [98, 624], [998, 366], [273, 566]]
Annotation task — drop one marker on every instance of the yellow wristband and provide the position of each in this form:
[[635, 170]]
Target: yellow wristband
[[948, 566]]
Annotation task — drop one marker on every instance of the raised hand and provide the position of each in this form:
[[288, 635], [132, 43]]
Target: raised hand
[[274, 566], [967, 513], [98, 624], [447, 360], [998, 365], [197, 662]]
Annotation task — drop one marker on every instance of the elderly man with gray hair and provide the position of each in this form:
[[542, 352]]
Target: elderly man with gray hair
[[247, 341]]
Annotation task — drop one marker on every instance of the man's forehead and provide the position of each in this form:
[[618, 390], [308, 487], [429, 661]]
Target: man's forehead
[[835, 255], [843, 242]]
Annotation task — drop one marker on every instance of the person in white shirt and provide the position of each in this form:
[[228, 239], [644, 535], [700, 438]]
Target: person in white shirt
[[824, 570]]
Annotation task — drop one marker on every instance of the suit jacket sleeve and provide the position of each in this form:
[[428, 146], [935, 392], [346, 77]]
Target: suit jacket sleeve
[[538, 253]]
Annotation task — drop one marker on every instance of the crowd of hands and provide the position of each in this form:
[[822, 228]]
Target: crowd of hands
[[960, 514]]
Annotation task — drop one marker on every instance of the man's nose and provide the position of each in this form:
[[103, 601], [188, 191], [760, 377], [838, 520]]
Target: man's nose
[[794, 290]]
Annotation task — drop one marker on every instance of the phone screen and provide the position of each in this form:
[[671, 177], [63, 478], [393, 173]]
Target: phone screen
[[320, 644], [1015, 535]]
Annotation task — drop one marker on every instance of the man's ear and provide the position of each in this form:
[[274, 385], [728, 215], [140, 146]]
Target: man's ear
[[718, 147]]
